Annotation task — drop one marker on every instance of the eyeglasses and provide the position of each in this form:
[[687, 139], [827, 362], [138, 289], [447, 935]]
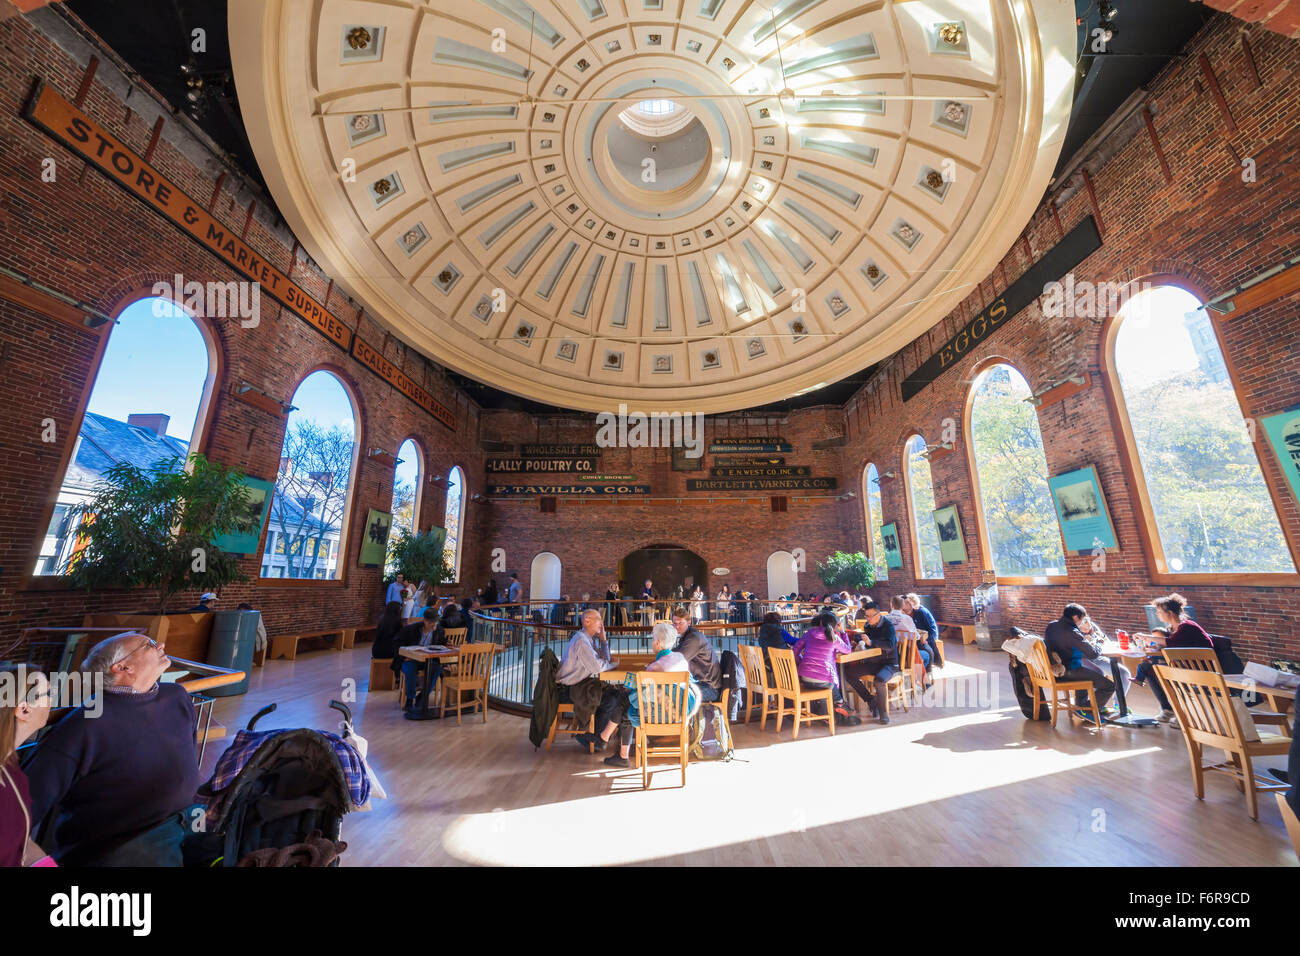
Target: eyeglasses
[[148, 642]]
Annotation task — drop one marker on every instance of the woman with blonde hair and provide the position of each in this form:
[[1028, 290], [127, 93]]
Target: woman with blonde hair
[[24, 709]]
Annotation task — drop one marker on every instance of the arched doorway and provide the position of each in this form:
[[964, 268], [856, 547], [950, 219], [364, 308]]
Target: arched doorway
[[782, 578], [544, 578], [668, 566]]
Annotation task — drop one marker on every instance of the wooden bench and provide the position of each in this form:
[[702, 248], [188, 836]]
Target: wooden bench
[[349, 635], [286, 645], [967, 630]]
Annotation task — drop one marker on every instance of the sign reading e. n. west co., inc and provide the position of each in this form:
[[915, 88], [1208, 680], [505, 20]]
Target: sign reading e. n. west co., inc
[[531, 466], [1082, 241], [761, 471], [567, 490], [50, 112]]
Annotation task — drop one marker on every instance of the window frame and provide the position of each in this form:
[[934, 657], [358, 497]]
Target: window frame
[[199, 437], [882, 560], [460, 519], [972, 470], [420, 478], [1130, 462], [915, 532], [350, 504]]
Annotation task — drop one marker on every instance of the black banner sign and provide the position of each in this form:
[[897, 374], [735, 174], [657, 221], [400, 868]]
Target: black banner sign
[[559, 451], [760, 484], [1082, 241], [725, 460], [761, 471], [567, 491], [757, 446], [531, 466]]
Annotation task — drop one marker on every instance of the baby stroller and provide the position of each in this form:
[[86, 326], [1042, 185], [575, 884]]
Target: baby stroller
[[275, 789]]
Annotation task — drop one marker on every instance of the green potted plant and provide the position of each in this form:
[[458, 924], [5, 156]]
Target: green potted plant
[[153, 528], [847, 572], [421, 557]]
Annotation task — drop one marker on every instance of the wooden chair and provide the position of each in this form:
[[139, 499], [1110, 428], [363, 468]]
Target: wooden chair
[[789, 688], [1207, 718], [1204, 660], [760, 695], [1057, 691], [573, 729], [453, 637], [471, 678], [381, 674], [662, 701], [1291, 820], [902, 681]]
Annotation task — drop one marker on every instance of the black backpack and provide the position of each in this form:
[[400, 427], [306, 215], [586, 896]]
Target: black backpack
[[1229, 662], [731, 668]]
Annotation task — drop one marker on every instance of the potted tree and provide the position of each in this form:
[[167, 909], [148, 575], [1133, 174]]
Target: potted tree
[[421, 557], [847, 572], [153, 528]]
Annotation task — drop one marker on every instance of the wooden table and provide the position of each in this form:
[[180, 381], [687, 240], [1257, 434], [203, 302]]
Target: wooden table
[[426, 654], [862, 655], [1280, 699]]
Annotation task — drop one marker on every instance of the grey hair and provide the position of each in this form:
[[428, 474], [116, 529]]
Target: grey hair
[[590, 612], [664, 635], [106, 653]]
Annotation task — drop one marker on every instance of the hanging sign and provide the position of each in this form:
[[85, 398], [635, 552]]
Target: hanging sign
[[760, 484], [559, 451], [1284, 435], [1082, 241], [59, 118], [725, 460], [755, 446], [540, 465], [761, 471], [567, 491]]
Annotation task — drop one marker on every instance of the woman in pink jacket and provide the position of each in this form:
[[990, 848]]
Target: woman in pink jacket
[[814, 654]]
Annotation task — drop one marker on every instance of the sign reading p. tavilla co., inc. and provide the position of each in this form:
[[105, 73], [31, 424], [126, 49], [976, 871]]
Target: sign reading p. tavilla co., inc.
[[49, 111], [566, 491]]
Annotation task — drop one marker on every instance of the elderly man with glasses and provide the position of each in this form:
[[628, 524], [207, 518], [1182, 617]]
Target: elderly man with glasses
[[114, 779]]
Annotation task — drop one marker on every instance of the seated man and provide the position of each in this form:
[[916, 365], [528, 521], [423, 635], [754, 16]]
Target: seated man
[[585, 658], [116, 775], [699, 654], [926, 625], [422, 632], [905, 626], [879, 633], [1064, 639]]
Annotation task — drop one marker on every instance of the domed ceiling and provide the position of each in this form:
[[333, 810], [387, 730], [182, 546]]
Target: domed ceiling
[[696, 205]]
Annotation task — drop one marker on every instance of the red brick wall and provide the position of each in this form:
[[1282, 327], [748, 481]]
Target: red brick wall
[[594, 534], [1281, 16], [88, 238], [1208, 227]]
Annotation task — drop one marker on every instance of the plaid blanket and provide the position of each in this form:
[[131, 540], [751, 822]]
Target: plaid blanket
[[246, 743]]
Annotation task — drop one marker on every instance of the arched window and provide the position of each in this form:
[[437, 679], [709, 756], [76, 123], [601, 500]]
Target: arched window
[[408, 480], [920, 497], [455, 518], [1022, 537], [871, 507], [147, 406], [307, 532], [1202, 484]]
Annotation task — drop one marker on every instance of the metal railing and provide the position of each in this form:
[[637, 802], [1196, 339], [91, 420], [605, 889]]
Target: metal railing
[[522, 641]]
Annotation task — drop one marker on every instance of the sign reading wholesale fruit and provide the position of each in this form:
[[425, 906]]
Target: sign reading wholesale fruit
[[755, 446], [565, 491], [760, 484], [50, 112], [559, 451], [539, 465], [761, 471]]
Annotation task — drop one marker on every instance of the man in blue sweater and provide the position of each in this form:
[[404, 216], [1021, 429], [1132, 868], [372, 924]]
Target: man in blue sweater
[[115, 781], [926, 626]]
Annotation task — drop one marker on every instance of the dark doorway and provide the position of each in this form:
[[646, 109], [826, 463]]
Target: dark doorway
[[668, 566]]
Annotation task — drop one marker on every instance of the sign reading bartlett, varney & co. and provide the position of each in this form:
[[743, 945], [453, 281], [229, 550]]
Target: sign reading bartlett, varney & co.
[[760, 484]]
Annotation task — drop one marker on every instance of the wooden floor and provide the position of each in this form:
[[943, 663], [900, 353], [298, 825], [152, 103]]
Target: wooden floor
[[958, 785]]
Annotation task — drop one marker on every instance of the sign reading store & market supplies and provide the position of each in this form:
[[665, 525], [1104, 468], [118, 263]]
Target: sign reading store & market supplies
[[53, 114], [1083, 240]]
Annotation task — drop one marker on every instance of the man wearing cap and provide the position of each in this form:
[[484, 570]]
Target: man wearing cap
[[206, 601]]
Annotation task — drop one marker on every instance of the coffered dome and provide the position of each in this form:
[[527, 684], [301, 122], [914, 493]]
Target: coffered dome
[[682, 204]]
